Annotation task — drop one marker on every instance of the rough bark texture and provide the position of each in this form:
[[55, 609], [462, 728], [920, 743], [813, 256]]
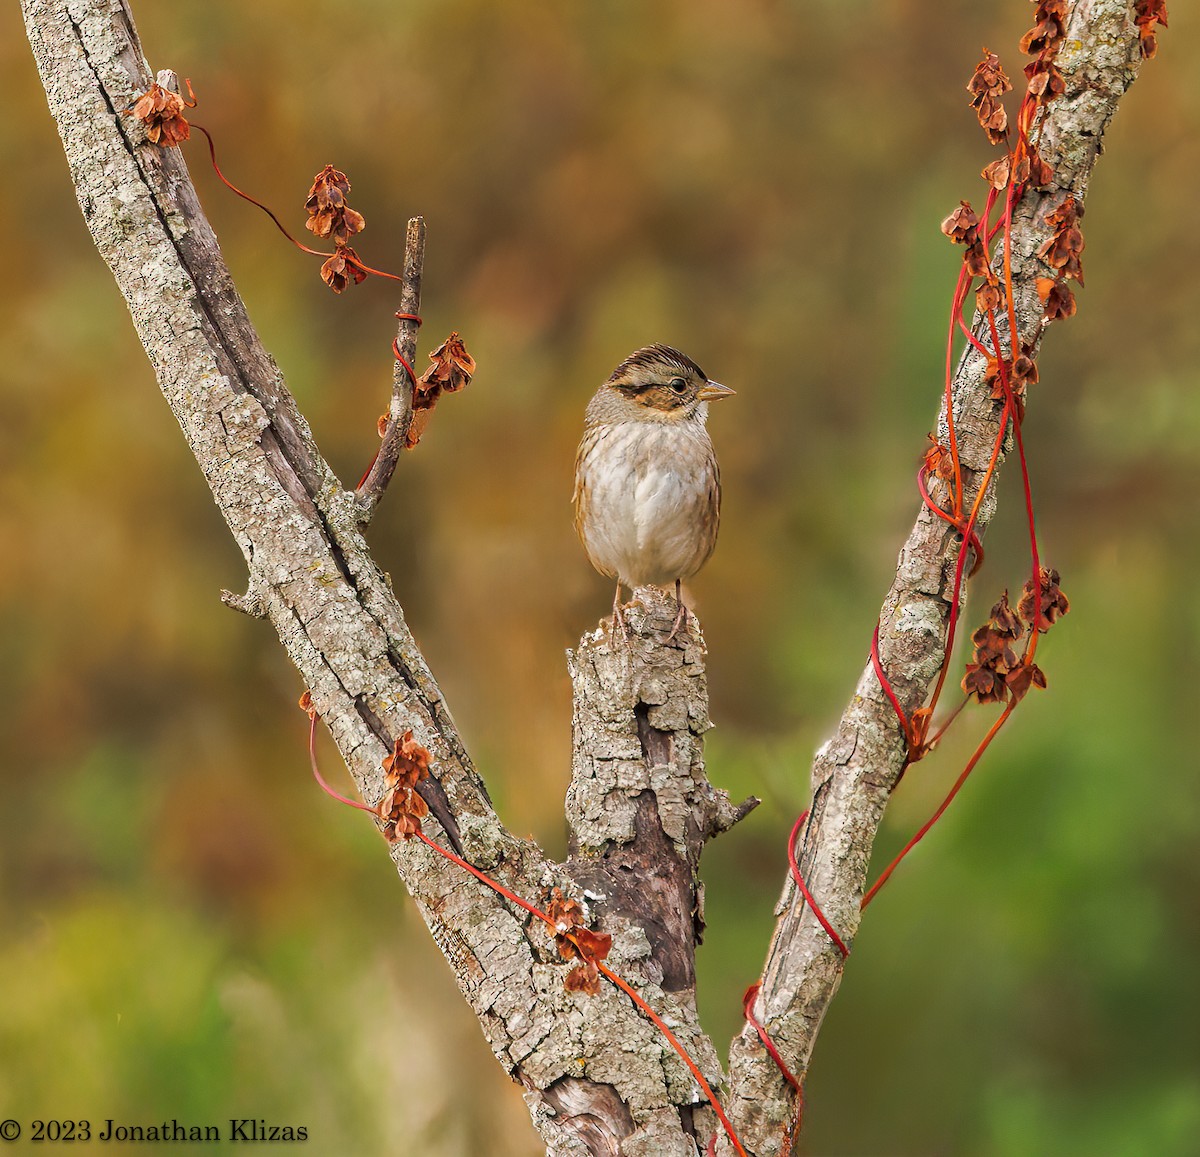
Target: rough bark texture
[[639, 807], [599, 1077], [854, 772]]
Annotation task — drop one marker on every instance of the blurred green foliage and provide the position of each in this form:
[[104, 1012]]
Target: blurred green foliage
[[191, 930]]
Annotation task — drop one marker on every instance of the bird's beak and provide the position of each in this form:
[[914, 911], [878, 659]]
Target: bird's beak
[[711, 391]]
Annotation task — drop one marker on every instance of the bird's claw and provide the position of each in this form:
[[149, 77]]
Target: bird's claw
[[618, 618], [681, 617], [680, 621]]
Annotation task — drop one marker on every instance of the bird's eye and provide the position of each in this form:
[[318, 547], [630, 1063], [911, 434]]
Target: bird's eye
[[677, 386]]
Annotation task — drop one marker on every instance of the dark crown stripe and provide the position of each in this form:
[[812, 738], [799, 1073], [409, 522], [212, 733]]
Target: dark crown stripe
[[655, 355]]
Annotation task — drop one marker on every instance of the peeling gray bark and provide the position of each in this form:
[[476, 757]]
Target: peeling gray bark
[[854, 772], [598, 1077]]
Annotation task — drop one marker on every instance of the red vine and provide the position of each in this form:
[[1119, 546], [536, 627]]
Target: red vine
[[997, 674], [830, 931], [582, 942]]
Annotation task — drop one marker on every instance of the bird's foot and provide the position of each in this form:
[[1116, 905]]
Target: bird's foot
[[682, 617], [618, 618]]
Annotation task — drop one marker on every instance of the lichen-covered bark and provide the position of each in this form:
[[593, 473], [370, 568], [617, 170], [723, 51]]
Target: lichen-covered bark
[[640, 810], [854, 772]]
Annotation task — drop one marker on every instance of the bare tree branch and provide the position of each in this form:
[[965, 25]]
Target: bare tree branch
[[854, 772], [400, 410]]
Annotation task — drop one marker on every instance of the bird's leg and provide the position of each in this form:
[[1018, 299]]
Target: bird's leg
[[618, 617], [681, 617]]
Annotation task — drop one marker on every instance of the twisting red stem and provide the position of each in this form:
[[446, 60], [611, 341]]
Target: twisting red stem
[[976, 344], [1014, 347], [935, 738], [830, 931], [212, 152], [976, 545], [412, 377], [360, 264], [312, 757], [885, 875], [661, 1025], [357, 262], [968, 530], [1011, 411], [484, 878], [887, 690], [748, 1011], [960, 293], [608, 973], [533, 910], [1011, 407]]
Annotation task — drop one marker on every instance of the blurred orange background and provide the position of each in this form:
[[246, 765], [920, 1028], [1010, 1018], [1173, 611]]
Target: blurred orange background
[[191, 930]]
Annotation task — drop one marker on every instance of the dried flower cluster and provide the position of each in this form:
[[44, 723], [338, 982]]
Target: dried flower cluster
[[1050, 603], [995, 661], [1042, 42], [1029, 168], [1021, 165], [1049, 30], [402, 807], [1062, 252], [1019, 373], [1058, 299], [577, 942], [962, 227], [329, 216], [939, 462], [997, 674], [987, 85], [451, 370], [1146, 14], [328, 213], [343, 269], [161, 111]]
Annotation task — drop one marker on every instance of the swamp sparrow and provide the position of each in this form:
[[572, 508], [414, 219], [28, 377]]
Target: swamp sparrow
[[647, 486]]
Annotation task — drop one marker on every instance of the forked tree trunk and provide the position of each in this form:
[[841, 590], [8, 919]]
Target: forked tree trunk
[[599, 1077]]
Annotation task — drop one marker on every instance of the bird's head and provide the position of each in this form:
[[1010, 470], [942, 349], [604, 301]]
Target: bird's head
[[655, 384]]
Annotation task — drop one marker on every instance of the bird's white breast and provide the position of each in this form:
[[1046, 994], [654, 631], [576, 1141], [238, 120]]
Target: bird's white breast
[[649, 488]]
